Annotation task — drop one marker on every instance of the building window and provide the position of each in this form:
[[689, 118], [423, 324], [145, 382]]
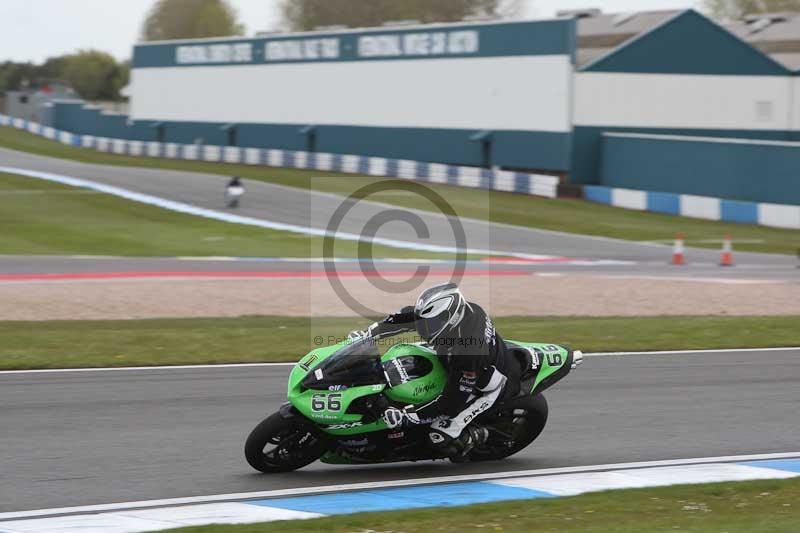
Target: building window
[[764, 111]]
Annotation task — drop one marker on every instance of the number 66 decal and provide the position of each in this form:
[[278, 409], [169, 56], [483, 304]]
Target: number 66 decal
[[318, 402], [553, 355]]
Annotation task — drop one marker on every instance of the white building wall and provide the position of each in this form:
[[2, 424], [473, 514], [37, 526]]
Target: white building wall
[[685, 101], [513, 93], [795, 103]]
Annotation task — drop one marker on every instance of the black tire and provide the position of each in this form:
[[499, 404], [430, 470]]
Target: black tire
[[525, 426], [292, 444]]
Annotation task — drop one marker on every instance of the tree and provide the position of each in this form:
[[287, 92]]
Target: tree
[[188, 19], [303, 15], [14, 76], [94, 75], [736, 9]]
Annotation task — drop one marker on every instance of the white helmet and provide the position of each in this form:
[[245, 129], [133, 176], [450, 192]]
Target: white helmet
[[438, 309]]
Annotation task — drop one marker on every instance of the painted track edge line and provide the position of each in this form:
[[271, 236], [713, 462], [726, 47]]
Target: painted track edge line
[[216, 214], [325, 489], [150, 367], [688, 352], [246, 365]]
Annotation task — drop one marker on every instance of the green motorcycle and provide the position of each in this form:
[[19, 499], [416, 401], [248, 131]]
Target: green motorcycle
[[337, 396]]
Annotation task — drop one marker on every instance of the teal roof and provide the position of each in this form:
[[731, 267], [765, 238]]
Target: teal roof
[[688, 43]]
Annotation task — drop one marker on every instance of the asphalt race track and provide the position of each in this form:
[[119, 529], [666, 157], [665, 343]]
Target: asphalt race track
[[32, 265], [81, 438], [305, 208]]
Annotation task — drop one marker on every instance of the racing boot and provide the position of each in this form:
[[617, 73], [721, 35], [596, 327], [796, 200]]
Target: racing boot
[[471, 437], [459, 448]]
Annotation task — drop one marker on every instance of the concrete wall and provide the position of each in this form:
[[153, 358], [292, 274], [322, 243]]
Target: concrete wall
[[756, 171]]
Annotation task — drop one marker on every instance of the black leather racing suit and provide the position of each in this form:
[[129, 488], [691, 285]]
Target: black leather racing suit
[[476, 360]]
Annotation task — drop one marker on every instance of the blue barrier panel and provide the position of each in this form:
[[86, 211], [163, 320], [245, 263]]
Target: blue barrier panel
[[487, 178], [423, 171], [391, 167], [452, 175], [735, 211], [336, 163], [522, 182], [363, 165], [664, 202], [596, 193]]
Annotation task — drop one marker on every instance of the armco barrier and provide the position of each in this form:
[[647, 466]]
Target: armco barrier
[[688, 205], [501, 180]]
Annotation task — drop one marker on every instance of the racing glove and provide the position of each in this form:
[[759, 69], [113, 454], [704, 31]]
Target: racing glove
[[362, 333], [394, 417], [394, 324]]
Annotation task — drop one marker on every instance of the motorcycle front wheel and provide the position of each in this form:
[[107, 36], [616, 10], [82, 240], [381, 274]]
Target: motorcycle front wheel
[[280, 444]]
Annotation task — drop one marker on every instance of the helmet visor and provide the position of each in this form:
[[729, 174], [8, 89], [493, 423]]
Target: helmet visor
[[430, 328]]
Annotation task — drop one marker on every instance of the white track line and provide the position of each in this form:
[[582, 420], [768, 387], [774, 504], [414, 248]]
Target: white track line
[[690, 352], [250, 365], [128, 368], [214, 214], [384, 484]]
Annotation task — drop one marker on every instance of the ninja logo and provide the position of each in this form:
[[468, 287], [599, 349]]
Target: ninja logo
[[423, 389]]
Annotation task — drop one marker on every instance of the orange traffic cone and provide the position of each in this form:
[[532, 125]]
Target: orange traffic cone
[[677, 250], [727, 252]]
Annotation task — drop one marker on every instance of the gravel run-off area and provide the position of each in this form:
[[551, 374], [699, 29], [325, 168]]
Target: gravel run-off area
[[535, 295]]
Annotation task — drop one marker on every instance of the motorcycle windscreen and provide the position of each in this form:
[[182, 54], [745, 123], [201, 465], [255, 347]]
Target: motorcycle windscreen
[[354, 365]]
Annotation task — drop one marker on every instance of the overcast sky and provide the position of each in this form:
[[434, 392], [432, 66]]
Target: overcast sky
[[36, 29]]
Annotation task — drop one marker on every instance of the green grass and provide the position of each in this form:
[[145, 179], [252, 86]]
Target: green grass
[[67, 343], [573, 216], [771, 506], [40, 217]]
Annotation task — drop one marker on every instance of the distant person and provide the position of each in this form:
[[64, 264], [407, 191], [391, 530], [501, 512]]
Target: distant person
[[233, 192]]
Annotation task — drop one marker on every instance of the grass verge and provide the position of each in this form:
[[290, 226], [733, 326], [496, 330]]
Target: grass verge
[[72, 343], [572, 216], [771, 506], [40, 217]]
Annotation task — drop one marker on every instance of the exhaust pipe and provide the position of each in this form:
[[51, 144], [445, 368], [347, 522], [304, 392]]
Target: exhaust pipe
[[577, 359]]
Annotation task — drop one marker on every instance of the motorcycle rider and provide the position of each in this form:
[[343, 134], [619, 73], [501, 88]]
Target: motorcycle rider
[[234, 190], [480, 369]]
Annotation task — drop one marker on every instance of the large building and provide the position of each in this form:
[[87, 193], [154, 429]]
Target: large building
[[625, 100]]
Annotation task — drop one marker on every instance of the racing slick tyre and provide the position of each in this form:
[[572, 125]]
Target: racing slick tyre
[[281, 444]]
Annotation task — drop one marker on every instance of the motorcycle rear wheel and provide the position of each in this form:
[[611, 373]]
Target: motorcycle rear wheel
[[280, 444], [512, 429]]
